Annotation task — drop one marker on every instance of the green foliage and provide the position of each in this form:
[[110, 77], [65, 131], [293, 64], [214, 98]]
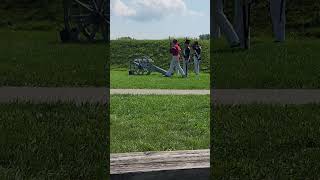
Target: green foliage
[[34, 15], [122, 52], [204, 36]]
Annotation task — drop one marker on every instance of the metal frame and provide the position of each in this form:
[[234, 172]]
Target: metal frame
[[144, 66], [86, 20]]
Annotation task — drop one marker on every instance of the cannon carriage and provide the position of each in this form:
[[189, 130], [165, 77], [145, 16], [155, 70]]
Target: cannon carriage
[[86, 20], [144, 66]]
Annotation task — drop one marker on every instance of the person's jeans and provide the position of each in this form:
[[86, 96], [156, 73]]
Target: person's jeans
[[175, 64], [196, 65], [185, 66]]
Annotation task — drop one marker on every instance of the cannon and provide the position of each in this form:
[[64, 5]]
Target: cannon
[[144, 66], [86, 20]]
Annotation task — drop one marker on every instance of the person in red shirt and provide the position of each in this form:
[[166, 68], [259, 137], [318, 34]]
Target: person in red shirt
[[175, 50]]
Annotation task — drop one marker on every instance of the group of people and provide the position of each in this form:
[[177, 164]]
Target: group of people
[[238, 34], [186, 55]]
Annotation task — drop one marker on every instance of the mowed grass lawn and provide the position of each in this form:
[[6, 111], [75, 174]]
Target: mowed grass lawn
[[53, 141], [293, 64], [38, 58], [121, 80], [266, 142], [159, 123]]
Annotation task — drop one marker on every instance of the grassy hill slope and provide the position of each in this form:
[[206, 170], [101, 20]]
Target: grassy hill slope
[[123, 51], [31, 14]]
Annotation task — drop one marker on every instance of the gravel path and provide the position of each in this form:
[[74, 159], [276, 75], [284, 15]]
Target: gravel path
[[100, 95]]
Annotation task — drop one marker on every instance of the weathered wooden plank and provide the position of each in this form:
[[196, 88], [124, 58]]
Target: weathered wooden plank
[[160, 165]]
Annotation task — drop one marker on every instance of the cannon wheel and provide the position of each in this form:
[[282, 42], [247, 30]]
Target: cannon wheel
[[135, 70], [87, 19], [140, 71]]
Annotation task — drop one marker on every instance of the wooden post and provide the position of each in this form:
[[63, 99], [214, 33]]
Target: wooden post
[[242, 22], [176, 165], [246, 23]]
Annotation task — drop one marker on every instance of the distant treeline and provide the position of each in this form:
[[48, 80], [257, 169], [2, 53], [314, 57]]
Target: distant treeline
[[127, 38], [204, 36]]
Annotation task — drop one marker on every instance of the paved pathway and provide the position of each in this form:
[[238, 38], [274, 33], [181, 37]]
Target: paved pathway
[[220, 96], [266, 96], [43, 94]]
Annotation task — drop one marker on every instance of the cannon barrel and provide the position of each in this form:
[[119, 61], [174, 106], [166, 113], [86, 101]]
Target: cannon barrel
[[159, 70]]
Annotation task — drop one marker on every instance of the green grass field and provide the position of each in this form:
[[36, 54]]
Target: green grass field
[[37, 58], [293, 64], [57, 141], [121, 79], [266, 142], [159, 123]]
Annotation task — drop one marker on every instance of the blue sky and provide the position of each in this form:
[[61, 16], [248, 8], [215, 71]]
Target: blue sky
[[159, 19]]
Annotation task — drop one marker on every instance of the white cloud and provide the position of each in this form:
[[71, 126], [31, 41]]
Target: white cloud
[[118, 8], [148, 10]]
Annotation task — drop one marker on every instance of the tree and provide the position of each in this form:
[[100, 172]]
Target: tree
[[204, 36], [125, 38]]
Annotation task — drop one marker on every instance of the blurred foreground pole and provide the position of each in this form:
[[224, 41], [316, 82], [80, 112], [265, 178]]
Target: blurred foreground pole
[[242, 22], [221, 23], [278, 17]]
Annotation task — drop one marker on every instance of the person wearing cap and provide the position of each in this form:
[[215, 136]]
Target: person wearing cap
[[186, 56], [196, 57], [175, 50]]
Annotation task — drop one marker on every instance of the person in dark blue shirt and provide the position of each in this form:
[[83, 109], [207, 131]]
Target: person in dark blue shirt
[[196, 57], [186, 56]]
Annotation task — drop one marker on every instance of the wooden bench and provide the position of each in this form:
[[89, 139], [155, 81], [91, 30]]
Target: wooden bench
[[171, 165]]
